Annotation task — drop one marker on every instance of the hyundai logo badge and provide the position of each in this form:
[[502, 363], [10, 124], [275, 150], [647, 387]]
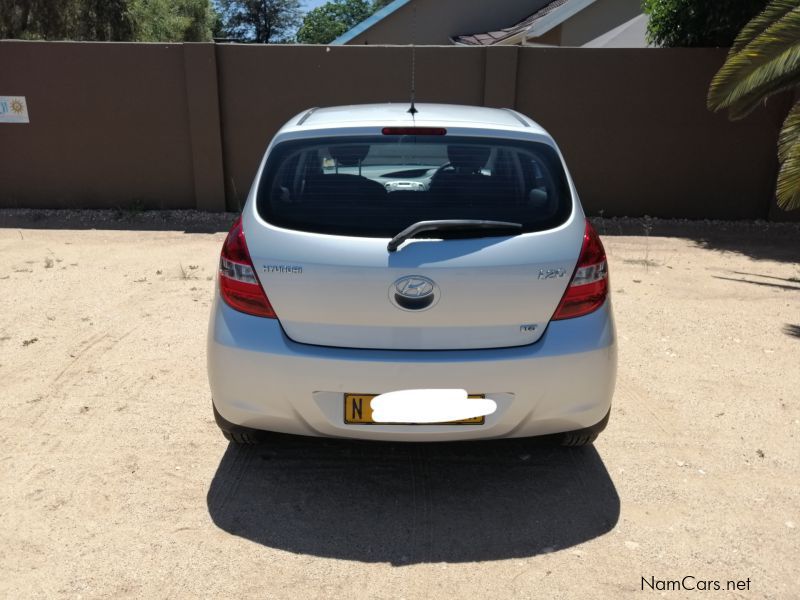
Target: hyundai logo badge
[[414, 292]]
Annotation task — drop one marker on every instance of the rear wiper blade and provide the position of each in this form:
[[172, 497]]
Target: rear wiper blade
[[449, 225]]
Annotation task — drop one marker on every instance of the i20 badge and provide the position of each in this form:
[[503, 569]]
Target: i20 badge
[[552, 273], [414, 292]]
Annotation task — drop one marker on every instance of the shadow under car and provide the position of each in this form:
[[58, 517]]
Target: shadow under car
[[413, 503]]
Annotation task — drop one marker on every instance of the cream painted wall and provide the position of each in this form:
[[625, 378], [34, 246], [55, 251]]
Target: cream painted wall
[[439, 20], [597, 19]]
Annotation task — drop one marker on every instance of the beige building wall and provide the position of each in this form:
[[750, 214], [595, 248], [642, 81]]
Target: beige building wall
[[597, 19], [551, 38], [590, 23], [438, 20]]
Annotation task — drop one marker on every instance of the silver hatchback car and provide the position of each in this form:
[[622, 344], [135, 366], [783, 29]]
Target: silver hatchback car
[[403, 276]]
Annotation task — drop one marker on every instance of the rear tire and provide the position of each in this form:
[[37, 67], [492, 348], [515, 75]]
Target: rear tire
[[241, 438], [576, 440], [236, 434], [583, 437]]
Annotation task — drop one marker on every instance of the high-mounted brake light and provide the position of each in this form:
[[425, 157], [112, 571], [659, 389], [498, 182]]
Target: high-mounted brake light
[[414, 131], [238, 282], [588, 288]]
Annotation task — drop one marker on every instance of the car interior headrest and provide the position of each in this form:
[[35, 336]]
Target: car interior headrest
[[350, 155], [471, 158]]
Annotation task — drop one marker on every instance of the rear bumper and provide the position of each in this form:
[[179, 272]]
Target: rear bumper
[[260, 379]]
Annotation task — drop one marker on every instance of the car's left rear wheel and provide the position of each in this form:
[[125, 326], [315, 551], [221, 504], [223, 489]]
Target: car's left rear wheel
[[242, 436]]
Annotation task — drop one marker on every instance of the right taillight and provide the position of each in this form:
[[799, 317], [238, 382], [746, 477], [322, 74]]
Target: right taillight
[[238, 282], [588, 288]]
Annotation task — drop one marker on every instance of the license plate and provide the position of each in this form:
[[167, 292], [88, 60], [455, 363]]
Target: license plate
[[358, 411]]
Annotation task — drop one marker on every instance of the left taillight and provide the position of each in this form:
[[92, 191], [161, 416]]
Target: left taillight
[[238, 282]]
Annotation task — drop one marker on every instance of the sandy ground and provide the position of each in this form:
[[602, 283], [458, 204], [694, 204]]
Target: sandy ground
[[115, 483]]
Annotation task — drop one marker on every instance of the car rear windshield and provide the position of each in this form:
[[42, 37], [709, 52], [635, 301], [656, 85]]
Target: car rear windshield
[[376, 186]]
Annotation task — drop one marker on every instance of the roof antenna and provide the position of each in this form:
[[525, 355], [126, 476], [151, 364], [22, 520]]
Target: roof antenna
[[413, 110]]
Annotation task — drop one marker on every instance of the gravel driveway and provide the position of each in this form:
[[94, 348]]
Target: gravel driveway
[[115, 483]]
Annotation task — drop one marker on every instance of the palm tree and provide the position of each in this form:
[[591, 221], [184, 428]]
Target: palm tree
[[764, 61]]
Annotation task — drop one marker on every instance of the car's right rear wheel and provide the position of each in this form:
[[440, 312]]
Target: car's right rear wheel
[[582, 437], [575, 440]]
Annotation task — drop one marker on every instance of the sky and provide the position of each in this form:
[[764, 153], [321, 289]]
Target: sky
[[309, 4]]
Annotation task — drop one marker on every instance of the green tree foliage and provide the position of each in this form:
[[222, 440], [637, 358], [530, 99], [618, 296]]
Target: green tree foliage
[[172, 20], [104, 20], [764, 61], [698, 23], [327, 22], [107, 20], [261, 21]]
